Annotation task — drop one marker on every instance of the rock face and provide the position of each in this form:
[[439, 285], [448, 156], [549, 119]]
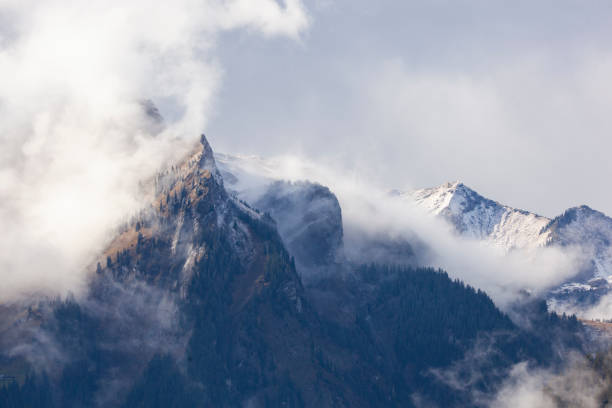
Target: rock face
[[307, 214], [309, 220], [587, 229]]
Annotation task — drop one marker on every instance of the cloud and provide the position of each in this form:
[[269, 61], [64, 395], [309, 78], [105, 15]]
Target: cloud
[[134, 320], [75, 137], [574, 380], [528, 124], [597, 306], [578, 385], [371, 212]]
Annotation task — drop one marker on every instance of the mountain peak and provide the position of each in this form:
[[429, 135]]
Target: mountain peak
[[207, 160], [450, 187], [584, 209], [582, 214], [458, 188], [453, 196], [478, 217], [205, 143]]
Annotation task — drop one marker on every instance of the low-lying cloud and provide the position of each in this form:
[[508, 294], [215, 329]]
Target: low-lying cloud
[[370, 211], [578, 385]]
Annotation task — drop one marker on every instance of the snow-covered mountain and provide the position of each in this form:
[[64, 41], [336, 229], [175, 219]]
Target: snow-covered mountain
[[583, 231], [587, 229], [477, 217]]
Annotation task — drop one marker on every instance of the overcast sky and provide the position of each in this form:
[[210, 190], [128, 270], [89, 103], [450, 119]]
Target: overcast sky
[[514, 98]]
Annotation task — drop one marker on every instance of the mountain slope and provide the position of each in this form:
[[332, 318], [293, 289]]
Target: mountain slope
[[588, 229], [477, 217], [197, 294], [309, 220], [585, 232], [197, 302]]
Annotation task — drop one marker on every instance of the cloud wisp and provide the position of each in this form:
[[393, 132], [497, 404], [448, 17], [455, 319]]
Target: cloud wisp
[[578, 385], [372, 212]]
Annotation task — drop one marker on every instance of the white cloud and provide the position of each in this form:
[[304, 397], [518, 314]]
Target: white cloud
[[75, 140], [578, 385], [527, 132], [370, 211]]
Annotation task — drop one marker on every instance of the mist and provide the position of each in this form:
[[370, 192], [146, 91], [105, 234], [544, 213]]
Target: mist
[[82, 88], [575, 381], [370, 212], [577, 385]]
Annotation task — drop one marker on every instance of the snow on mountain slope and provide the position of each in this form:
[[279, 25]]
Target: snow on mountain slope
[[581, 229], [477, 217], [584, 233], [588, 229], [247, 175]]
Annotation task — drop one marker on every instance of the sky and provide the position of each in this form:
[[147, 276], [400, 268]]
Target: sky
[[512, 98]]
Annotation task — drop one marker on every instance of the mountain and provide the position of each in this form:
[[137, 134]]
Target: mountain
[[309, 220], [582, 230], [196, 295], [477, 217], [588, 229], [307, 214], [197, 302]]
